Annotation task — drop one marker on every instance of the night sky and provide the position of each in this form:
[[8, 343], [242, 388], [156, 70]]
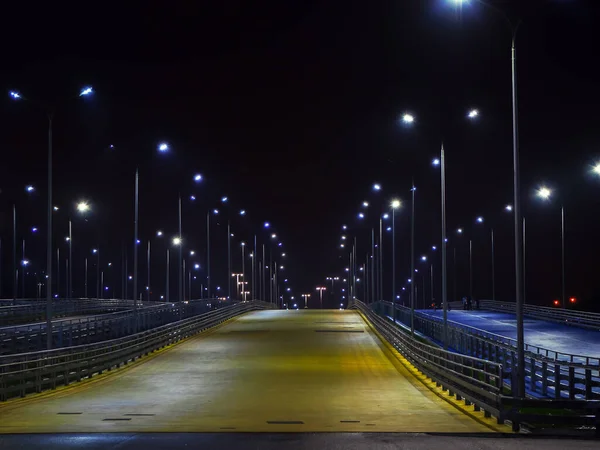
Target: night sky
[[290, 109]]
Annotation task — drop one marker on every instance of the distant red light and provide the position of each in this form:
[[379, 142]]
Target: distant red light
[[556, 303], [572, 299]]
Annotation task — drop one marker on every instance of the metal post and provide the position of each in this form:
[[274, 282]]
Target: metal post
[[228, 259], [524, 264], [85, 279], [66, 272], [493, 269], [262, 277], [167, 287], [381, 259], [15, 269], [23, 270], [58, 272], [180, 277], [254, 258], [70, 284], [189, 284], [431, 282], [49, 243], [471, 269], [394, 257], [208, 254], [101, 282], [412, 263], [148, 268], [373, 298], [98, 274], [520, 391], [444, 268], [243, 269], [183, 284], [135, 252], [562, 237]]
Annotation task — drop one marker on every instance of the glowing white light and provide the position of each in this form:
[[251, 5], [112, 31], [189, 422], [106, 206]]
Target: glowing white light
[[361, 216], [83, 207], [215, 211], [177, 241], [267, 225], [376, 187], [34, 229], [365, 204], [15, 95], [408, 118], [159, 233], [389, 229], [423, 258], [508, 208], [242, 212], [196, 266], [67, 239], [94, 250], [224, 199], [396, 204], [436, 162], [192, 197], [163, 147], [342, 245], [273, 236], [343, 238], [283, 255], [25, 262], [479, 219], [344, 227], [197, 178], [544, 193], [386, 216], [55, 208], [596, 169], [433, 247], [29, 188], [459, 231], [86, 91], [473, 113]]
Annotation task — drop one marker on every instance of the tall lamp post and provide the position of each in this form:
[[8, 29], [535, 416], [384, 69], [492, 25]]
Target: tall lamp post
[[50, 113], [321, 289], [305, 297], [545, 194]]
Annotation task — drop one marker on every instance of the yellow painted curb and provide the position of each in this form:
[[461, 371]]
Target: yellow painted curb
[[430, 384], [86, 383]]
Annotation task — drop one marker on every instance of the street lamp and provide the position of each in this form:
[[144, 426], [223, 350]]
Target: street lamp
[[83, 207], [321, 289], [305, 296], [596, 169], [163, 147], [545, 194], [50, 114], [408, 118]]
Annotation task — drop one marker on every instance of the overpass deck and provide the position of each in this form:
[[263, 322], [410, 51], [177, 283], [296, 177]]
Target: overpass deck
[[266, 371], [551, 335]]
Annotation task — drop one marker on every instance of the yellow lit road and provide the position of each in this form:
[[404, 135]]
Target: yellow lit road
[[268, 371]]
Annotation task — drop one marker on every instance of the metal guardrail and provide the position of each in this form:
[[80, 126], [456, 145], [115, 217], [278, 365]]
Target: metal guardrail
[[549, 374], [476, 380], [85, 330], [31, 311], [38, 371], [570, 317], [455, 374]]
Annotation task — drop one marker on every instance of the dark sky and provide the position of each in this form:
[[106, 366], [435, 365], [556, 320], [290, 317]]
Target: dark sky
[[290, 109]]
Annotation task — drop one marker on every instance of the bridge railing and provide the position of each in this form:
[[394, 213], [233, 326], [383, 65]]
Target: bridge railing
[[571, 317], [549, 373], [85, 330], [476, 380], [453, 375], [29, 311], [35, 372]]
